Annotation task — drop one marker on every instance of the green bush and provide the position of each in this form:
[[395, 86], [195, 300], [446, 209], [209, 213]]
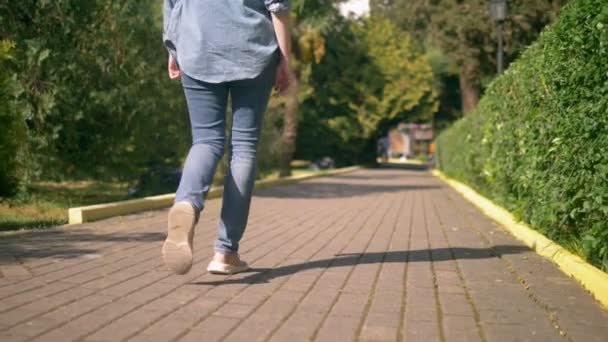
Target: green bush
[[12, 128], [537, 142], [92, 89]]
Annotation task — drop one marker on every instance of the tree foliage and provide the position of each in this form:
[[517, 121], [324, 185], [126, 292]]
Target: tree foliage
[[12, 127], [310, 20], [370, 78], [92, 87], [535, 143], [467, 35], [85, 92]]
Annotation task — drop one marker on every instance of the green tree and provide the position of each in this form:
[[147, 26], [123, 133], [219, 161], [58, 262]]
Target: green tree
[[407, 91], [466, 34], [370, 78], [93, 88], [310, 19]]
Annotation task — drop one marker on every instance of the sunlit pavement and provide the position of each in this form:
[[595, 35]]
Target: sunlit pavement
[[386, 254]]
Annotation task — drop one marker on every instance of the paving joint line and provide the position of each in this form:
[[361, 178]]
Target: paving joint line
[[401, 333], [121, 250], [179, 286], [77, 285], [435, 281], [374, 288], [184, 333], [83, 262], [367, 305], [467, 293], [551, 317], [300, 222], [289, 315], [137, 264], [131, 292], [110, 244]]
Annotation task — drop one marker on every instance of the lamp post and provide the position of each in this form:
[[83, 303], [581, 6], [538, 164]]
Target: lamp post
[[498, 11]]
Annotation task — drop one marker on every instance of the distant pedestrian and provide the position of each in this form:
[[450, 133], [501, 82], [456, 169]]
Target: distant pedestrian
[[221, 49]]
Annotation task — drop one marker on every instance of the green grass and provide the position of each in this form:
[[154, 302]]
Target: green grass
[[47, 203]]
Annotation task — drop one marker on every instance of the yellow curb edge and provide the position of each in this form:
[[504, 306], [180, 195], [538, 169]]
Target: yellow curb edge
[[89, 213], [592, 278]]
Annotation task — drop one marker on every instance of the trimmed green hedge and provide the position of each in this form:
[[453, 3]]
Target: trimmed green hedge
[[538, 141]]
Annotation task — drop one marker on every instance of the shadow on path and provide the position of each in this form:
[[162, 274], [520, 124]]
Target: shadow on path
[[336, 190], [263, 275], [64, 244], [404, 166]]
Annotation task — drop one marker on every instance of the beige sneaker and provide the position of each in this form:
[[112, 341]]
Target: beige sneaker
[[177, 249], [226, 263]]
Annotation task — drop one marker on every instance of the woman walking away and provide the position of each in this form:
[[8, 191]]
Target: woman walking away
[[236, 48]]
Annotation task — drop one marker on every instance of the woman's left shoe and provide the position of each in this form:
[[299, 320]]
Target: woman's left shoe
[[226, 264], [177, 249]]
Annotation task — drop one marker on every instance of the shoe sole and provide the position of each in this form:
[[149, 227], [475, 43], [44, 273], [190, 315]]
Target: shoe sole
[[177, 249]]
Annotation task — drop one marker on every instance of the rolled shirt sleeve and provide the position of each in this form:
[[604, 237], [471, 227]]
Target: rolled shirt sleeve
[[277, 6]]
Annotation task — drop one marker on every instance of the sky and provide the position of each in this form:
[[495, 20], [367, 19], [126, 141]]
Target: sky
[[358, 7]]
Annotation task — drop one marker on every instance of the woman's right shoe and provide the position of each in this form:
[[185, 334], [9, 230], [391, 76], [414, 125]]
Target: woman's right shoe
[[177, 249], [226, 264]]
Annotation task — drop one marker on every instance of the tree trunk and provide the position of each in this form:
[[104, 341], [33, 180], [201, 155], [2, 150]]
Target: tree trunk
[[469, 87], [555, 6], [290, 131]]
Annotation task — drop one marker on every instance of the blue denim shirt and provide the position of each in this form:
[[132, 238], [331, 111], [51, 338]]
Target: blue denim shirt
[[221, 40]]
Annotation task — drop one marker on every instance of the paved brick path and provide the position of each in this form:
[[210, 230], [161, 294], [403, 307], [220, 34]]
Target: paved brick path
[[375, 255]]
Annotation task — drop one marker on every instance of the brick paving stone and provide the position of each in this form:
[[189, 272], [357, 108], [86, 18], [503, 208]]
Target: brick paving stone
[[518, 332], [11, 267], [126, 326], [338, 328], [87, 323], [421, 331], [299, 327], [562, 296], [320, 299], [349, 305], [289, 298], [38, 325], [153, 291], [182, 320], [41, 306], [455, 304], [27, 297], [234, 310], [374, 255], [212, 330], [490, 284], [415, 313], [460, 328]]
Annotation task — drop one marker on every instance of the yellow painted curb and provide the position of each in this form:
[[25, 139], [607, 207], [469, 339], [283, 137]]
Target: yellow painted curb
[[99, 211], [592, 278]]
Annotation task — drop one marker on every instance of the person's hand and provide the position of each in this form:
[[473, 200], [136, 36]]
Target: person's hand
[[174, 72], [285, 76]]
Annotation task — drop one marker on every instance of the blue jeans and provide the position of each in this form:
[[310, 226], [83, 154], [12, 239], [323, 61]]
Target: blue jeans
[[207, 107]]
